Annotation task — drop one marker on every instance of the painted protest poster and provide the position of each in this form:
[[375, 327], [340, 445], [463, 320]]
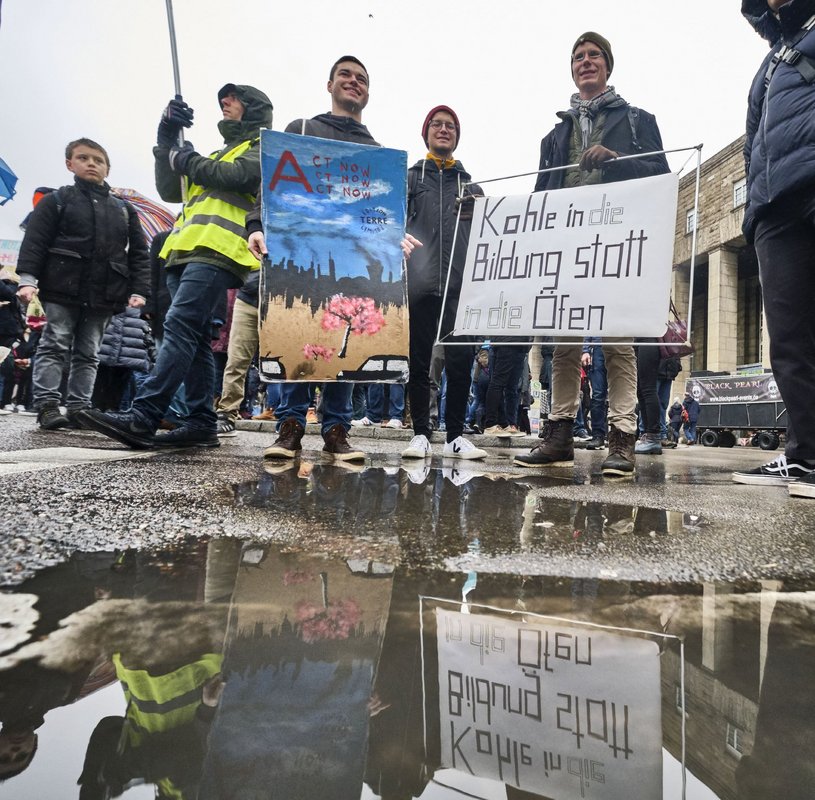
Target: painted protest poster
[[333, 300], [557, 710], [589, 261]]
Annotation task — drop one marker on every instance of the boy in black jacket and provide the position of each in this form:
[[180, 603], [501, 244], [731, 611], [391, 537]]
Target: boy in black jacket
[[85, 254]]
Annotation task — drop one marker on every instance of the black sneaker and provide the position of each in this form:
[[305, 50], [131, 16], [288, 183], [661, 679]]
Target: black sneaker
[[186, 436], [49, 418], [779, 472], [226, 427], [596, 443], [803, 487], [125, 427]]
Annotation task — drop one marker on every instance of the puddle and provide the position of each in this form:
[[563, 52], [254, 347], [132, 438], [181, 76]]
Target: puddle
[[226, 669]]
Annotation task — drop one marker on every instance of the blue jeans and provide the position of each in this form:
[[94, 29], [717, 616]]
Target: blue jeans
[[186, 355], [295, 399], [376, 402], [598, 377], [78, 330]]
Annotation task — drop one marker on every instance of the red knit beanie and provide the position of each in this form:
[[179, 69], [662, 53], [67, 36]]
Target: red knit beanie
[[426, 123]]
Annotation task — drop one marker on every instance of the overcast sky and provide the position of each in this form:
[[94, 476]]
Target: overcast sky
[[102, 69]]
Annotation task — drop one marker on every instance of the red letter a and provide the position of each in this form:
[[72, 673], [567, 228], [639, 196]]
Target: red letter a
[[288, 158]]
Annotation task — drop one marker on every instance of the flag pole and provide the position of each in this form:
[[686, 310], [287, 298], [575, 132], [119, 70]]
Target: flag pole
[[176, 81]]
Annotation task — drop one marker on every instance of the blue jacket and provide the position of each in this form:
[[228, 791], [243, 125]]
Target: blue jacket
[[779, 151]]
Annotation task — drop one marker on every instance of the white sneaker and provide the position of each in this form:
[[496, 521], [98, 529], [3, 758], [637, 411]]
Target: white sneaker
[[417, 474], [461, 448], [4, 411], [458, 477], [394, 423], [419, 447], [361, 423]]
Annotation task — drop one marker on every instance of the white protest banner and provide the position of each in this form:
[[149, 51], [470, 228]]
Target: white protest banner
[[589, 261], [558, 710]]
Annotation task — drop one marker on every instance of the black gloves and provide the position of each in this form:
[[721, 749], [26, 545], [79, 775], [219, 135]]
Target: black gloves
[[179, 156], [176, 116]]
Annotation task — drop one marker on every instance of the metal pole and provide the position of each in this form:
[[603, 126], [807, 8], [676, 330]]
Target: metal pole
[[173, 49]]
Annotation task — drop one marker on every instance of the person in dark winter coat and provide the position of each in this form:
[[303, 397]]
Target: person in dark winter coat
[[127, 347], [11, 332], [436, 185], [597, 128], [675, 418], [780, 221], [84, 252], [691, 417]]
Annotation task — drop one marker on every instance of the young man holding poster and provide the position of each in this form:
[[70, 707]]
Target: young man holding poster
[[435, 186], [598, 127], [348, 87]]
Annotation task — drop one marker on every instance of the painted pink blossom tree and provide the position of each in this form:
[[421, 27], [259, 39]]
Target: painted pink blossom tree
[[315, 351], [358, 314]]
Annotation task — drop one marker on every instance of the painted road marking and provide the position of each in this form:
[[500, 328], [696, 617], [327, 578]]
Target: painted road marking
[[16, 461]]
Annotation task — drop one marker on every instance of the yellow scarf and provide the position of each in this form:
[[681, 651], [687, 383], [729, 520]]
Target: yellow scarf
[[441, 163]]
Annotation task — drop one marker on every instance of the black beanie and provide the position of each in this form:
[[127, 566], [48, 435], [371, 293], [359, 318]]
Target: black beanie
[[601, 42]]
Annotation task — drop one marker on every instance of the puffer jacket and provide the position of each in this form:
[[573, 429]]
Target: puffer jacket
[[432, 194], [779, 149], [84, 247], [617, 136], [128, 342], [241, 176]]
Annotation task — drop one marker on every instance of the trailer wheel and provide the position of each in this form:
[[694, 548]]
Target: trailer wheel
[[727, 439], [709, 438], [767, 440], [776, 441]]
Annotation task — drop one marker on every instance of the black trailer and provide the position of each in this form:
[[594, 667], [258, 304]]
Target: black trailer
[[748, 404]]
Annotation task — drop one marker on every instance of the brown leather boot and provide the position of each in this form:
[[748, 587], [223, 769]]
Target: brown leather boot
[[337, 447], [620, 460], [555, 446], [287, 444]]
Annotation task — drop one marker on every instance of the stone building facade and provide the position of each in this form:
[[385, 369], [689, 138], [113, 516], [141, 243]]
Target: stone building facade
[[727, 327]]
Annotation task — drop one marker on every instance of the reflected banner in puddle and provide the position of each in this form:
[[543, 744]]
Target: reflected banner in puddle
[[237, 670]]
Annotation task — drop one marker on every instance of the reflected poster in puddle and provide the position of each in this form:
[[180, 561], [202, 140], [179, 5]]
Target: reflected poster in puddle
[[232, 669]]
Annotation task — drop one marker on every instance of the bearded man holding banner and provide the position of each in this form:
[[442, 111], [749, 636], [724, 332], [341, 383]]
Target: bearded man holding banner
[[598, 127]]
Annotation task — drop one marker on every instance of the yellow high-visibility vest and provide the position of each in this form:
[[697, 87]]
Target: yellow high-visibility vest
[[215, 218]]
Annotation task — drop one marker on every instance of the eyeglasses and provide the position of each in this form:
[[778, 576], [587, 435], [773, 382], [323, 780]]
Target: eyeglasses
[[592, 54], [438, 123]]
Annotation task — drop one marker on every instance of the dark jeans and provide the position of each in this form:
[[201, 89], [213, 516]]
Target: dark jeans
[[598, 377], [185, 355], [458, 362], [378, 409], [785, 245], [504, 390], [647, 366], [335, 405]]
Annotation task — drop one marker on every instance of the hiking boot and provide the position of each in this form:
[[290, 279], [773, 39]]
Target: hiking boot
[[419, 447], [496, 430], [287, 445], [596, 443], [556, 447], [127, 427], [49, 418], [267, 415], [668, 444], [461, 448], [186, 436], [226, 427], [803, 487], [620, 459], [337, 447], [649, 444], [778, 472]]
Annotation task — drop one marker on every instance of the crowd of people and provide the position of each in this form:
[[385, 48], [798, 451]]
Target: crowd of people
[[85, 255]]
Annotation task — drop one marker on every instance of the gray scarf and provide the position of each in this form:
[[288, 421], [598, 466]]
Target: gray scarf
[[587, 110]]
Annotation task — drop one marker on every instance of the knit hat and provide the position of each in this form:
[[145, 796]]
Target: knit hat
[[426, 123], [601, 42]]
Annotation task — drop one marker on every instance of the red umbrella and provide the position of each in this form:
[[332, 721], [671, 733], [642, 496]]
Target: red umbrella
[[153, 216]]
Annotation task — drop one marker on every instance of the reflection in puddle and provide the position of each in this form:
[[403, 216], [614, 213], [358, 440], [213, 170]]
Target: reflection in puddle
[[439, 513], [235, 670]]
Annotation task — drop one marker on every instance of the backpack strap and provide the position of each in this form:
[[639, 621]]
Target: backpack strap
[[633, 119], [795, 58]]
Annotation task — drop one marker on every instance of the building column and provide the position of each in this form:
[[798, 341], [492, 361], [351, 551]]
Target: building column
[[765, 340], [722, 310]]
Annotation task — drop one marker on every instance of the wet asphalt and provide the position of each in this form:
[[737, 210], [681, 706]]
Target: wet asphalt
[[681, 518]]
